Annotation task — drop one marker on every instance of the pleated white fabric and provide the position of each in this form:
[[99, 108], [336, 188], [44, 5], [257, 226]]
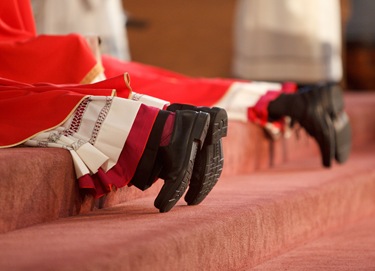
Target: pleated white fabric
[[95, 134]]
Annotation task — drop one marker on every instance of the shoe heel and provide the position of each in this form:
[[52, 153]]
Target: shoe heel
[[343, 137], [201, 128], [218, 125], [341, 124], [337, 100]]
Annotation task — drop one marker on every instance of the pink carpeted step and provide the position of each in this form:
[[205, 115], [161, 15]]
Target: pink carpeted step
[[38, 185], [361, 110], [245, 221], [349, 248]]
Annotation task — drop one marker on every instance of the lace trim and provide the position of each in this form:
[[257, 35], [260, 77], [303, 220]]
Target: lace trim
[[43, 144], [74, 126], [76, 145], [54, 136], [102, 116], [136, 96], [77, 119]]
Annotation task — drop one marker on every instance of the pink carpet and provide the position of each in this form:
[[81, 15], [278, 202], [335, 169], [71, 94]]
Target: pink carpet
[[245, 221], [38, 185], [275, 203], [351, 247]]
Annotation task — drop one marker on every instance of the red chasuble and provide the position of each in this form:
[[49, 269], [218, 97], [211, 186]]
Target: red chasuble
[[29, 58], [167, 85], [27, 109]]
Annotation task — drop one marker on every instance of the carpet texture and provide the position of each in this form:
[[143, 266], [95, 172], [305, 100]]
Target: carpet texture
[[36, 186], [245, 221], [39, 185], [349, 248]]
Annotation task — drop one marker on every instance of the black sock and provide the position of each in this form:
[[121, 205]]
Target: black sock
[[291, 105], [146, 169]]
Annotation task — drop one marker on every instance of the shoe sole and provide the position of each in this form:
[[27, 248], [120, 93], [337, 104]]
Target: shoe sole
[[214, 162], [172, 191], [341, 124], [210, 160], [328, 147], [322, 130]]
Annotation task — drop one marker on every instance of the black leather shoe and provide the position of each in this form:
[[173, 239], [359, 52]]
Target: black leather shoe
[[149, 166], [318, 123], [341, 123], [178, 157], [210, 159]]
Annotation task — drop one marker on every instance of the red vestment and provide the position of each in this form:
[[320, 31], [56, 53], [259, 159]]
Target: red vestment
[[65, 63]]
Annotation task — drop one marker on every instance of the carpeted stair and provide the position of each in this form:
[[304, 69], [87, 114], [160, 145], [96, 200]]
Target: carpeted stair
[[351, 247], [273, 204]]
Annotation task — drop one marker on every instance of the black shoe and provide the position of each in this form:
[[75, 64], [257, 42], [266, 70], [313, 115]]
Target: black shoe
[[341, 123], [178, 157], [149, 166], [318, 123], [210, 159]]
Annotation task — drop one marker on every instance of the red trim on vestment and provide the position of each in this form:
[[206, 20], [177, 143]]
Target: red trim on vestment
[[121, 174], [259, 112]]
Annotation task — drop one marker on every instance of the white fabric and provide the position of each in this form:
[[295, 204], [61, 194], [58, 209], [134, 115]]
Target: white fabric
[[86, 158], [279, 40], [148, 100], [79, 166], [240, 96], [104, 18], [116, 129], [95, 134]]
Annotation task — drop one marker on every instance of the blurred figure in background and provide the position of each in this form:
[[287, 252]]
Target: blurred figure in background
[[105, 19], [300, 41], [288, 40]]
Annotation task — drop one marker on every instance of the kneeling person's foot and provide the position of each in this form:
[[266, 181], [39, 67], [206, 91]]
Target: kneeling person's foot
[[210, 159], [318, 123], [178, 157], [341, 123], [309, 110]]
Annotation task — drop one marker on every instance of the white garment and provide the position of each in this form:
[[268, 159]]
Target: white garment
[[242, 95], [95, 133], [103, 18], [280, 40]]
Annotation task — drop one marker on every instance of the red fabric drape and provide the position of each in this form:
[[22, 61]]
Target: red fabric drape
[[26, 57], [27, 109], [54, 59], [167, 85], [16, 20]]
